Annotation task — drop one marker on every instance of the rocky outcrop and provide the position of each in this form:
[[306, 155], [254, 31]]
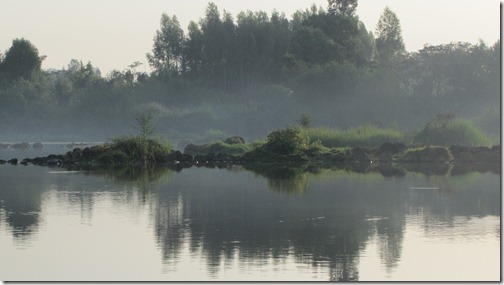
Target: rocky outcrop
[[427, 154], [235, 140], [476, 154]]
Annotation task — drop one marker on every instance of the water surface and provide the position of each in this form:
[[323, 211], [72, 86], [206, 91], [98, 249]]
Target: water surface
[[283, 223]]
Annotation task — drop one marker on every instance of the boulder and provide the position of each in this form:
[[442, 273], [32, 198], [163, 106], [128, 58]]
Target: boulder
[[193, 149], [22, 145], [235, 140], [38, 145], [392, 148], [428, 154], [359, 155]]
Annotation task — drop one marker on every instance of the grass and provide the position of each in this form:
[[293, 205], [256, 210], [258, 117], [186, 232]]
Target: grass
[[224, 148], [455, 132], [131, 149], [363, 136]]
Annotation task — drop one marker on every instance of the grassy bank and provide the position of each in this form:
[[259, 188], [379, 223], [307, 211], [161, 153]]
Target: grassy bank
[[363, 136]]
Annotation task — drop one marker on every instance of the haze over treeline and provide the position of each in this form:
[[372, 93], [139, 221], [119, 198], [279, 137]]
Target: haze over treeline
[[250, 73]]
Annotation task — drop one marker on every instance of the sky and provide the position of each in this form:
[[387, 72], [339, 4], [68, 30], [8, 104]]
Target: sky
[[112, 34]]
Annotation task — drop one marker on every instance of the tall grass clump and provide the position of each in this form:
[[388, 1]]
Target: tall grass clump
[[225, 148], [362, 136], [446, 130], [140, 148]]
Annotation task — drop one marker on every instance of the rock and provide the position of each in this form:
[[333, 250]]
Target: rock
[[475, 154], [359, 155], [90, 153], [4, 145], [235, 140], [428, 154], [393, 148], [2, 161], [192, 149], [22, 145], [38, 145], [13, 161]]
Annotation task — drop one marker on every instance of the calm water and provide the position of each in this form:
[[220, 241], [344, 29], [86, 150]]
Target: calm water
[[428, 223]]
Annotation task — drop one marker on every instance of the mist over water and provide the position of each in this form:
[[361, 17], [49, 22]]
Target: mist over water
[[231, 224]]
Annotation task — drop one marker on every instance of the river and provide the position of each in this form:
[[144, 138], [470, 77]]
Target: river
[[262, 223]]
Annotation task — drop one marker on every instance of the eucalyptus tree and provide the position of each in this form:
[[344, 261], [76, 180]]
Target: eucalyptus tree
[[342, 7], [167, 50], [389, 41], [193, 48]]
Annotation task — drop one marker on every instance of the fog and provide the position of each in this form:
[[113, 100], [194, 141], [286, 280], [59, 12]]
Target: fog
[[249, 74]]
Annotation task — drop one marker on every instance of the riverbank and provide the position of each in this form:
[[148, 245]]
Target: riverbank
[[387, 153]]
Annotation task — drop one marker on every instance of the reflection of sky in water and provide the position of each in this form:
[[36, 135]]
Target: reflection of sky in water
[[201, 224]]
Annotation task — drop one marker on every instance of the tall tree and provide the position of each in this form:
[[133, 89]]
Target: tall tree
[[22, 60], [342, 7], [192, 50], [213, 41], [389, 41], [166, 57]]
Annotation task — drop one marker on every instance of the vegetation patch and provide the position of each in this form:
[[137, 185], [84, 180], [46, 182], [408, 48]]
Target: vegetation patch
[[445, 130], [363, 136]]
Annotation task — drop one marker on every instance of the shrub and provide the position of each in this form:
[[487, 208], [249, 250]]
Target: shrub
[[137, 148], [455, 131], [287, 141]]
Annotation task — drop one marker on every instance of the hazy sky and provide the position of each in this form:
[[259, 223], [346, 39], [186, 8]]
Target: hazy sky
[[114, 33]]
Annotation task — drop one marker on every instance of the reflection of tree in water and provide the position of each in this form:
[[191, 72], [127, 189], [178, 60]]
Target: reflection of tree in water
[[291, 179], [228, 218], [390, 236], [21, 202], [22, 189]]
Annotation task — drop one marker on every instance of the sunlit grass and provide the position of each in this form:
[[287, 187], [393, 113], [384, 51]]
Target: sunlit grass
[[363, 136]]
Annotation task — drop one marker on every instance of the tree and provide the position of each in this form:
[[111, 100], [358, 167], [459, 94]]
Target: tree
[[167, 51], [192, 50], [22, 60], [389, 41], [342, 7], [145, 128]]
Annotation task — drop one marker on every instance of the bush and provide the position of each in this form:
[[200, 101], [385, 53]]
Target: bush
[[453, 132], [138, 148], [287, 141]]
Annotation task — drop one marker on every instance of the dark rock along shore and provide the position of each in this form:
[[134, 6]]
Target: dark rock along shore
[[387, 153]]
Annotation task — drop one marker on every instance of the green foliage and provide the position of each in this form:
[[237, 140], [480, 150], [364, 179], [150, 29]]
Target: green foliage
[[167, 50], [304, 120], [389, 41], [342, 7], [22, 60], [363, 136], [137, 149], [450, 131], [145, 129], [287, 141], [224, 148]]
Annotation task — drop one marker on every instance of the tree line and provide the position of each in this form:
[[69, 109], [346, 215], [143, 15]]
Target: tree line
[[248, 74]]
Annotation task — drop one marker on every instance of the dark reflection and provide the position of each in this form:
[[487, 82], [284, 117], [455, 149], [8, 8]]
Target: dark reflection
[[328, 226], [290, 179], [429, 168], [244, 213], [21, 202]]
